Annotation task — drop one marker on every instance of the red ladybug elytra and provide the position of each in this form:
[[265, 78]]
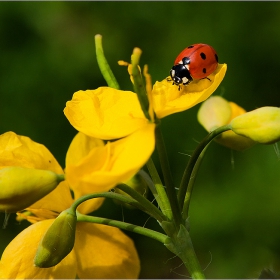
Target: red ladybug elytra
[[195, 62]]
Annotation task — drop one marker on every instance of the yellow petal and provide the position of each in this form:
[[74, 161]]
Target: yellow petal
[[236, 110], [79, 148], [16, 150], [116, 162], [105, 252], [58, 200], [105, 113], [167, 99], [17, 259]]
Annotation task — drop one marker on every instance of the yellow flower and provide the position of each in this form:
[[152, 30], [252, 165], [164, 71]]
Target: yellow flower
[[168, 99], [216, 112], [108, 113], [100, 251], [105, 113]]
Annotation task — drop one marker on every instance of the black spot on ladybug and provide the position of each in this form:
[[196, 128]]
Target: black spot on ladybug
[[204, 70], [216, 57], [203, 55], [190, 47], [186, 60]]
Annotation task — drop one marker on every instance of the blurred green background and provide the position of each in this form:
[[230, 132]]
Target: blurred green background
[[47, 53]]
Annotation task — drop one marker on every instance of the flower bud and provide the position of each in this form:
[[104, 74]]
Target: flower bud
[[58, 241], [21, 187], [261, 125], [214, 112]]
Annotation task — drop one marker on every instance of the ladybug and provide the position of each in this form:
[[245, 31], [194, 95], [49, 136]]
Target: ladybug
[[195, 62]]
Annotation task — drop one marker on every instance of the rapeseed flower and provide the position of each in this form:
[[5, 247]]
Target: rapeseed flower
[[99, 251]]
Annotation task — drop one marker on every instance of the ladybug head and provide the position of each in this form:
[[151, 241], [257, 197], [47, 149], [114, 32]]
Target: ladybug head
[[180, 75]]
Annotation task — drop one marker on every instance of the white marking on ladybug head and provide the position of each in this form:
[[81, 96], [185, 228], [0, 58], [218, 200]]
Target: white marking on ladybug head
[[185, 80]]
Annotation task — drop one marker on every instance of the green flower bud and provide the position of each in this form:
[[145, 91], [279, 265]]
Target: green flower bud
[[21, 187], [216, 112], [58, 241], [261, 125]]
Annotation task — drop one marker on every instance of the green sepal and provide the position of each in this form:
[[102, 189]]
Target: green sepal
[[181, 245], [179, 242], [58, 241]]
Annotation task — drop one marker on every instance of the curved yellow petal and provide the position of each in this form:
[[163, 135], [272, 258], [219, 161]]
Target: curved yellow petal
[[58, 200], [105, 252], [105, 113], [167, 99], [79, 148], [17, 259], [236, 110], [17, 150], [116, 162]]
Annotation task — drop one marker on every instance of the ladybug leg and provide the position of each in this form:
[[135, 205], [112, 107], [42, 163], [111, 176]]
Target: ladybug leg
[[179, 86]]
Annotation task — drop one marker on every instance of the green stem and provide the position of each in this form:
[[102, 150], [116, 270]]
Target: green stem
[[191, 184], [120, 197], [126, 226], [191, 164], [159, 191], [142, 200], [170, 188], [181, 245], [103, 64], [138, 83]]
